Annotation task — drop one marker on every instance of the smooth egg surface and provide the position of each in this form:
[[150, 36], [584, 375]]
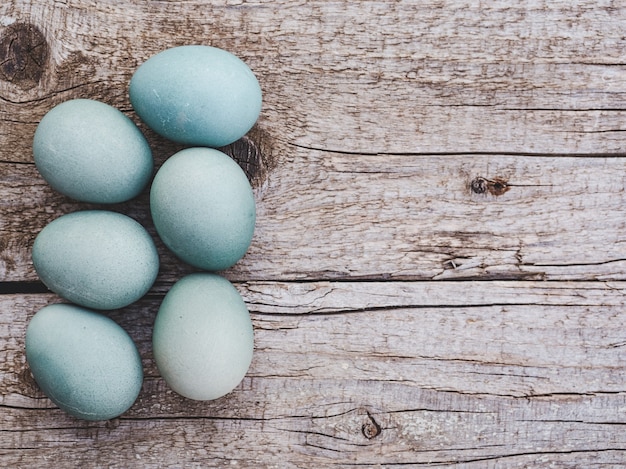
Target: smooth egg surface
[[196, 95], [203, 208], [203, 337], [92, 152], [83, 361], [96, 258]]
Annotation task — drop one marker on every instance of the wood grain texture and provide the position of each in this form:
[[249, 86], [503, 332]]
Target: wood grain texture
[[331, 215], [389, 77], [438, 272], [383, 373]]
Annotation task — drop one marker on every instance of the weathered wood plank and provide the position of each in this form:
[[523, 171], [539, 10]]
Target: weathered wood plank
[[388, 77], [414, 148], [429, 430], [364, 374], [332, 215], [525, 331]]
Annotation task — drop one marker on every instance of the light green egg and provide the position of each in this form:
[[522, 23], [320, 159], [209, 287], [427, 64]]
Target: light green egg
[[203, 208], [96, 258], [203, 337], [197, 95], [83, 361], [92, 152]]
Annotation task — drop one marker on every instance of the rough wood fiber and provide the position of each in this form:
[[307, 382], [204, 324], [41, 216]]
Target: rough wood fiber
[[374, 77], [384, 373], [438, 271], [330, 215]]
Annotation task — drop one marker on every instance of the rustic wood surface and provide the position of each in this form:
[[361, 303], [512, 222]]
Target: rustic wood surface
[[438, 272]]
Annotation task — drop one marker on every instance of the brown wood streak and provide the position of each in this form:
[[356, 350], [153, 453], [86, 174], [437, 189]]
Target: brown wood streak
[[437, 275]]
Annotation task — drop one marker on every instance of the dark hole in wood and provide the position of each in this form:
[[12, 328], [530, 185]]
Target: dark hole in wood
[[23, 54], [479, 185], [371, 428], [496, 186], [7, 288]]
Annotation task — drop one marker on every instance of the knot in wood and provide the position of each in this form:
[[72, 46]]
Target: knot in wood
[[496, 186], [370, 428], [252, 154], [479, 185], [23, 55]]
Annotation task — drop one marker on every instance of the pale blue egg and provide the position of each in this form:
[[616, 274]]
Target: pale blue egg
[[196, 95], [96, 258], [83, 361], [203, 337], [92, 152], [203, 208]]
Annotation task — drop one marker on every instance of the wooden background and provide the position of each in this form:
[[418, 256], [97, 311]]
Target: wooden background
[[438, 271]]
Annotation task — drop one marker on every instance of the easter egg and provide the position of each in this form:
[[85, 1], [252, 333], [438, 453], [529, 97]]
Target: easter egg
[[196, 95], [203, 337], [83, 361], [96, 258], [203, 208], [92, 152]]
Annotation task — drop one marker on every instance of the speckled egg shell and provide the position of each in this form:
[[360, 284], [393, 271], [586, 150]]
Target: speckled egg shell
[[203, 208], [83, 361], [96, 258], [92, 152], [203, 337], [197, 95]]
